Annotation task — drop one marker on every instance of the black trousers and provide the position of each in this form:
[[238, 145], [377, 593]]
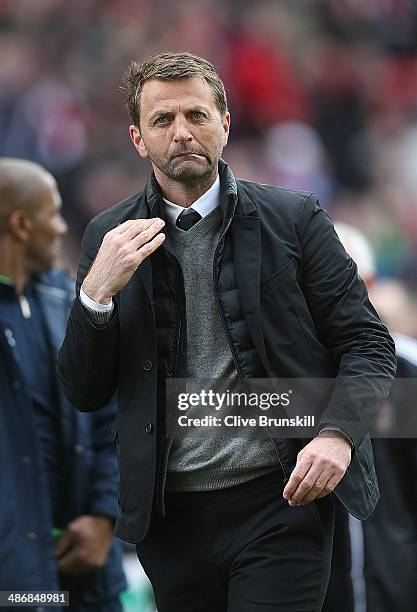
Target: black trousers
[[242, 549], [339, 596]]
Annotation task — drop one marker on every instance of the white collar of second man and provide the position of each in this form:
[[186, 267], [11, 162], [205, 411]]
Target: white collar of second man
[[204, 205]]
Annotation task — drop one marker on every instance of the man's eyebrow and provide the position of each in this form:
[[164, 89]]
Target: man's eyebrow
[[169, 111], [160, 111], [198, 107]]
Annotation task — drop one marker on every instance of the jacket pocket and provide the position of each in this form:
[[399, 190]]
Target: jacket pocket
[[276, 279]]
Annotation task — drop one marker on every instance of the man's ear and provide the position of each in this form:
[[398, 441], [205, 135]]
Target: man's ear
[[137, 140], [20, 225], [226, 128]]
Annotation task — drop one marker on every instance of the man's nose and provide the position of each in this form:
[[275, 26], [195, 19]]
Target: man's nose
[[181, 131], [62, 227]]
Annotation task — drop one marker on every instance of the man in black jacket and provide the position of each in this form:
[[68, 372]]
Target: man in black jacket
[[245, 281]]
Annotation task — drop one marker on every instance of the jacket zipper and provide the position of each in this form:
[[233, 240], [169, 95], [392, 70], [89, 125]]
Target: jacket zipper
[[166, 451], [223, 320], [158, 488], [231, 345]]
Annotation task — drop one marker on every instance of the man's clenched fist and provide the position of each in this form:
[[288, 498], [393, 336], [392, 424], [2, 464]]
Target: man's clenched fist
[[122, 251], [320, 466], [85, 544]]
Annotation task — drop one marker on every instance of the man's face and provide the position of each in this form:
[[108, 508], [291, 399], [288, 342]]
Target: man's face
[[181, 129], [47, 229]]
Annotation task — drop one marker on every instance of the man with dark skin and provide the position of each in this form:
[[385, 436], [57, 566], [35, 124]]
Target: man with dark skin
[[202, 275], [34, 302], [31, 223]]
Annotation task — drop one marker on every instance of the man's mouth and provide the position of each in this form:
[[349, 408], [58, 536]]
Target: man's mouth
[[189, 154]]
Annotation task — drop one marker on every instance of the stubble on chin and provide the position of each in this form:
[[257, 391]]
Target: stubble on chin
[[191, 174], [186, 172]]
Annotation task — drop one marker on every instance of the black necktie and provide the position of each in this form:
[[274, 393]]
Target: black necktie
[[188, 218]]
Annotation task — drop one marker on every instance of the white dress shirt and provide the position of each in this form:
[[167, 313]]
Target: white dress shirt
[[204, 205]]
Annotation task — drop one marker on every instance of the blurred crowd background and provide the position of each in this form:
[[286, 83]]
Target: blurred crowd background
[[323, 96]]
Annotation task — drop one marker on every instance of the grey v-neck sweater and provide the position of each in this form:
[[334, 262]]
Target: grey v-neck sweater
[[204, 459]]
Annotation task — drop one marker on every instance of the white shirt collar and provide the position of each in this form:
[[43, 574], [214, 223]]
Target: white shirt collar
[[204, 205]]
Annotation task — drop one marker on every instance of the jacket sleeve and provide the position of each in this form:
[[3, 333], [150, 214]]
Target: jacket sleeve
[[88, 358], [104, 476], [347, 324]]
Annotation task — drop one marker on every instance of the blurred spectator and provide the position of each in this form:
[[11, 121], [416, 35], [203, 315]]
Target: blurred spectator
[[296, 159], [59, 474], [396, 306], [48, 121], [384, 547]]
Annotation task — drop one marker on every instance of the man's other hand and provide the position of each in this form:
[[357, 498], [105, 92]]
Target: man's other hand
[[84, 545], [122, 251], [321, 465]]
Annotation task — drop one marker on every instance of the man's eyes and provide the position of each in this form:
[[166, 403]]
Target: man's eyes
[[165, 119], [162, 120]]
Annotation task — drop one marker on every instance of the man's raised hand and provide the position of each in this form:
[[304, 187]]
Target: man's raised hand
[[122, 251]]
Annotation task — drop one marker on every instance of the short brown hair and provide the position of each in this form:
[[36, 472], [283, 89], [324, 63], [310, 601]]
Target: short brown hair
[[170, 67]]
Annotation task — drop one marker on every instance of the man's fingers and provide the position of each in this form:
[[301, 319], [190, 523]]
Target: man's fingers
[[330, 486], [146, 235], [64, 543], [151, 246], [315, 490], [323, 486], [306, 484], [133, 226], [72, 563], [296, 477], [68, 562], [124, 227]]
